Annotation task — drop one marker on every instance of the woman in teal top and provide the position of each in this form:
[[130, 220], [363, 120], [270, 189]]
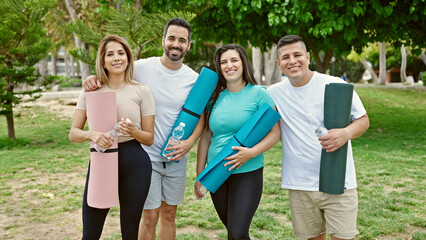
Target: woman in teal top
[[235, 99]]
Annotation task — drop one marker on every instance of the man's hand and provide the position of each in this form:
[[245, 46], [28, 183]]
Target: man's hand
[[179, 150], [91, 83], [335, 139]]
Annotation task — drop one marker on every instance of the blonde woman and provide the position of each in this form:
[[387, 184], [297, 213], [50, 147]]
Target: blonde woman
[[114, 69]]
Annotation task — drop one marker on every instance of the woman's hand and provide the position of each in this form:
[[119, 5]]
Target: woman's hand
[[103, 140], [242, 156], [197, 191], [126, 126]]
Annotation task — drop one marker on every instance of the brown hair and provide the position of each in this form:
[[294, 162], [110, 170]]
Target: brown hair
[[248, 75], [101, 72]]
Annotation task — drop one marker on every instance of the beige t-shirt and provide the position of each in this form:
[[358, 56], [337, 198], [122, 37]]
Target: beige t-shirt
[[133, 101]]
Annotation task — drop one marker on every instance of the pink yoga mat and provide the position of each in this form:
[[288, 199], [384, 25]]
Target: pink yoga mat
[[102, 191]]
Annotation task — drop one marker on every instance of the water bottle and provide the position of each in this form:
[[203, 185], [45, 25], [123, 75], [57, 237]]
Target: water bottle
[[203, 190], [316, 124], [115, 132], [174, 140]]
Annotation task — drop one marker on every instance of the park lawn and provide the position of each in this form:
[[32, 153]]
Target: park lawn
[[42, 176]]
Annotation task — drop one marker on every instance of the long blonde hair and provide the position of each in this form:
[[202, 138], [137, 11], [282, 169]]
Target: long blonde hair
[[101, 72]]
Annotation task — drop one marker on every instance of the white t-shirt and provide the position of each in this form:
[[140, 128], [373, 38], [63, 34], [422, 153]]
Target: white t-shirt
[[170, 90], [300, 146]]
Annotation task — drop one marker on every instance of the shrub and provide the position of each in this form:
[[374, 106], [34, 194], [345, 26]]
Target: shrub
[[353, 70]]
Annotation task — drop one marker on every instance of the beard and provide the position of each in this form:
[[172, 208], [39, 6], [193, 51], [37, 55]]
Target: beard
[[173, 57]]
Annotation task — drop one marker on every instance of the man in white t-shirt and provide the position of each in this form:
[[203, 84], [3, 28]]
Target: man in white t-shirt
[[170, 82], [313, 213]]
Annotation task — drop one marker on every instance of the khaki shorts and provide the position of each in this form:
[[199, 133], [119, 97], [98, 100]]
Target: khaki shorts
[[168, 181], [314, 213]]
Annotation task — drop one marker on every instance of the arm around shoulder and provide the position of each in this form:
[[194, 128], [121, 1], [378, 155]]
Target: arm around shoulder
[[91, 83]]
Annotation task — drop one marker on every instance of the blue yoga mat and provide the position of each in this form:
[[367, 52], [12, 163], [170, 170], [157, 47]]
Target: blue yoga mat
[[337, 112], [195, 103], [251, 133]]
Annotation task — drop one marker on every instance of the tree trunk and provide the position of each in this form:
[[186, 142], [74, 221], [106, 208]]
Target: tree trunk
[[9, 105], [73, 67], [84, 68], [10, 125], [423, 57], [272, 73], [67, 65], [139, 5], [403, 73], [10, 122], [54, 63], [43, 69], [322, 65], [370, 70], [257, 64], [382, 64]]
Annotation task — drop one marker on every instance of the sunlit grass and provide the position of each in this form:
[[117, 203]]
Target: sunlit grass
[[42, 175]]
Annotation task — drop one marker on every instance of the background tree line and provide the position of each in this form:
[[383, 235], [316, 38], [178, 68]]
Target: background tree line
[[333, 30]]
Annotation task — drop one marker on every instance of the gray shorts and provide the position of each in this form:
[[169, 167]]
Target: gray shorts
[[168, 183]]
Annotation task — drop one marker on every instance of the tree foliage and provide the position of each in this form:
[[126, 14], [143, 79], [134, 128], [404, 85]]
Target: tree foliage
[[23, 42], [333, 27], [141, 30], [353, 71]]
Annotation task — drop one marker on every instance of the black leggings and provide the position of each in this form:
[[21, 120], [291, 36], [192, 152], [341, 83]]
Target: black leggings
[[236, 202], [134, 179]]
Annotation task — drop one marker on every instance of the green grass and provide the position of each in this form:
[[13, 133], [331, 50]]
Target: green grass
[[42, 176]]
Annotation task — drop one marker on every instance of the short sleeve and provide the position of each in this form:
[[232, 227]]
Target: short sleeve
[[81, 102], [147, 104], [357, 109], [264, 97]]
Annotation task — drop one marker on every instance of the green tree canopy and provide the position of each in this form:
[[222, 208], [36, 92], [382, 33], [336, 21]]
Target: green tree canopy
[[333, 27], [143, 31], [23, 43]]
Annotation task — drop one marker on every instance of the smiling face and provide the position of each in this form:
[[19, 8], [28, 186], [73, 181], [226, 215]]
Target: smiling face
[[231, 66], [176, 43], [293, 61], [115, 60]]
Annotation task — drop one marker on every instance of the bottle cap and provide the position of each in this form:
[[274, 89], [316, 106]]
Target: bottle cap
[[182, 124]]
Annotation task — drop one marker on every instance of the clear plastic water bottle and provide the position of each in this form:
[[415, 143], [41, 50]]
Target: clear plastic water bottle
[[316, 124], [203, 190], [115, 132], [174, 140]]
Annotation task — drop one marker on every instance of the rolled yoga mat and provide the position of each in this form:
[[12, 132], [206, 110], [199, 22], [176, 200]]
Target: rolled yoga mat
[[337, 112], [195, 103], [251, 133], [102, 189]]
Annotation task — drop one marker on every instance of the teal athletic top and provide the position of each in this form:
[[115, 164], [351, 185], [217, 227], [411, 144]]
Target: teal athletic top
[[230, 112]]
